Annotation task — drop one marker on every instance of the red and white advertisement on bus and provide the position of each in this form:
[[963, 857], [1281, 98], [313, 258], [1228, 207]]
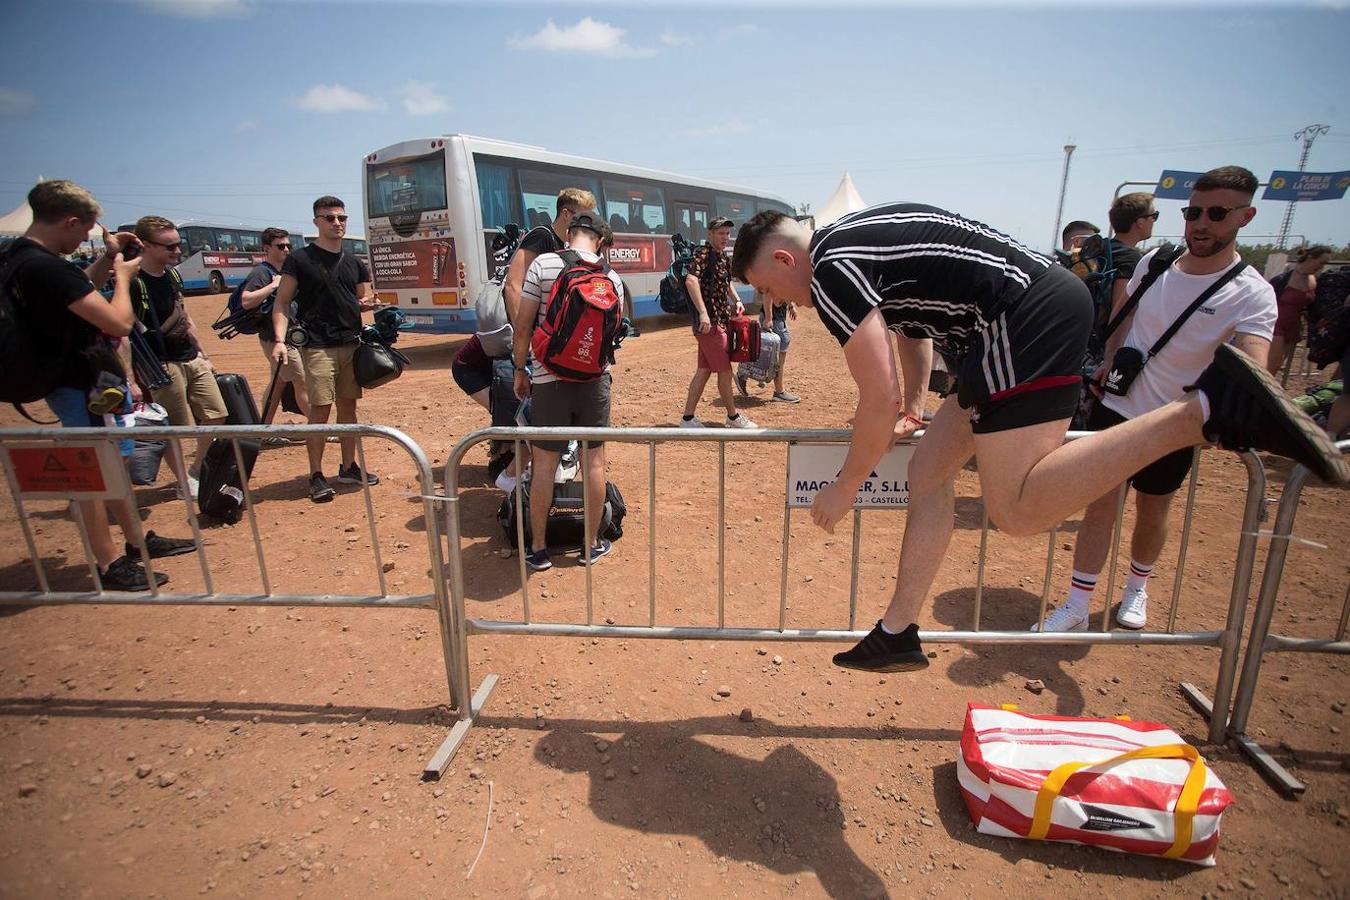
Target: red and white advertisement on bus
[[631, 254], [217, 260], [414, 264]]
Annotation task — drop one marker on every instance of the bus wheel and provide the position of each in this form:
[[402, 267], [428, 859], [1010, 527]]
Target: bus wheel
[[217, 283]]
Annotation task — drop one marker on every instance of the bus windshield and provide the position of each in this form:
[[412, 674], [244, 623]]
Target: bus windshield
[[406, 186]]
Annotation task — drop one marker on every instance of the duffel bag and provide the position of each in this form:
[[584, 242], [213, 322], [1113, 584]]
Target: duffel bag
[[566, 517], [1132, 787], [375, 364]]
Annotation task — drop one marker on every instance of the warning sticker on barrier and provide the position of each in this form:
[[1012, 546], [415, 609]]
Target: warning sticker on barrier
[[812, 467], [85, 472]]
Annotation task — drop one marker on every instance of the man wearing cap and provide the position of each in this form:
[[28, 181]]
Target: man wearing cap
[[556, 403], [709, 285]]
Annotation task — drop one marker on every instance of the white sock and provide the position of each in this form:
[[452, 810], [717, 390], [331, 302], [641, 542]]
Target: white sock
[[1080, 590], [1204, 405], [885, 629], [1138, 579]]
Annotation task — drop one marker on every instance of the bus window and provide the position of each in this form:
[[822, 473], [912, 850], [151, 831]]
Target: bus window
[[352, 245], [227, 240], [406, 186], [539, 193], [250, 241], [737, 209], [635, 208], [496, 190], [197, 239]]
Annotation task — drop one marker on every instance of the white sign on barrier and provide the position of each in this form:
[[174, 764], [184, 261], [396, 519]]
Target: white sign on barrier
[[812, 467]]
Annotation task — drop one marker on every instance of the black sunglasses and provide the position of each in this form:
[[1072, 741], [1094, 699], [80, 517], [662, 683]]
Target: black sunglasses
[[169, 247], [1153, 215], [282, 246], [1216, 213], [333, 217]]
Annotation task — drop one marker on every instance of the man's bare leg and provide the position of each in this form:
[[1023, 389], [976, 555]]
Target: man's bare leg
[[696, 386], [318, 415], [541, 495], [725, 387]]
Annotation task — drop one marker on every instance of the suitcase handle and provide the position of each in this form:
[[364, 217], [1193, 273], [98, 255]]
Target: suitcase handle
[[1187, 801]]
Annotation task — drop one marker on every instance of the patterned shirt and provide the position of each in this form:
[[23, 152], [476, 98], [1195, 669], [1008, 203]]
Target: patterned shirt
[[714, 282]]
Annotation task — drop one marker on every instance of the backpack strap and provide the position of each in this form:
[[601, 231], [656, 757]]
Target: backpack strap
[[1162, 260], [1213, 289]]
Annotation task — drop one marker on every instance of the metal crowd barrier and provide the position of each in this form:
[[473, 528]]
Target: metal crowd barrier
[[434, 599], [1262, 641], [461, 627]]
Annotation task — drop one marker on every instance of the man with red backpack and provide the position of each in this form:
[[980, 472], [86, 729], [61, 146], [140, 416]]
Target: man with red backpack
[[565, 326]]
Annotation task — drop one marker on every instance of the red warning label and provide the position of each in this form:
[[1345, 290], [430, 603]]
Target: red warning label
[[57, 470]]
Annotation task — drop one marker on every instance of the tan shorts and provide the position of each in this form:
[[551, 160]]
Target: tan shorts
[[329, 374], [193, 397], [292, 369]]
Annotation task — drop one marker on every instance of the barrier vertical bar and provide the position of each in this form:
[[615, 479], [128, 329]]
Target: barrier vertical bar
[[586, 514], [180, 472], [1116, 530], [651, 534], [721, 534], [253, 519], [1185, 541], [521, 547], [370, 515], [38, 568], [853, 577], [787, 537], [1345, 615], [979, 566], [1049, 573]]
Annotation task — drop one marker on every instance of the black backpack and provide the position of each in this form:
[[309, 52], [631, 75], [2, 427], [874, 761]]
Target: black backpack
[[674, 296], [30, 368]]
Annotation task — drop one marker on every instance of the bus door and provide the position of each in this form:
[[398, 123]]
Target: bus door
[[692, 219]]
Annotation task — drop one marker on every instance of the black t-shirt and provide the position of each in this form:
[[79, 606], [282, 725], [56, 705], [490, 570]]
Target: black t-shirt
[[1124, 258], [332, 319], [43, 288], [260, 276], [163, 293]]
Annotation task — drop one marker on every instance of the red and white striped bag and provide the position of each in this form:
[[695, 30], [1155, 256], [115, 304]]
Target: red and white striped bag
[[1132, 787]]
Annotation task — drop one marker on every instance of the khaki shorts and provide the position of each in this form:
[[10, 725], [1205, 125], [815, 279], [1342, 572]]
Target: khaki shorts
[[329, 374], [193, 397], [292, 369]]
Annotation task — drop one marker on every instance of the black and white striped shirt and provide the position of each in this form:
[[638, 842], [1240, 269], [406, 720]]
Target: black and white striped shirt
[[933, 273]]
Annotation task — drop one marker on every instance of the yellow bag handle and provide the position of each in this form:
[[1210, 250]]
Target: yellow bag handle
[[1187, 802]]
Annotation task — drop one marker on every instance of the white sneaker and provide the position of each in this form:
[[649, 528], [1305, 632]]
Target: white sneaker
[[1133, 612], [1064, 618], [741, 421], [695, 422]]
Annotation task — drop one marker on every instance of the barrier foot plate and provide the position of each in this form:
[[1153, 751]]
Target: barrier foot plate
[[1197, 699], [1275, 773], [440, 760]]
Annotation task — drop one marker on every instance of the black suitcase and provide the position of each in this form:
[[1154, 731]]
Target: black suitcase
[[220, 490], [567, 517], [502, 400], [239, 403]]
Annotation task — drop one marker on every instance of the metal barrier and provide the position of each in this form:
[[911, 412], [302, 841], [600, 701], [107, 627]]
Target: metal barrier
[[461, 626], [435, 599], [1262, 641]]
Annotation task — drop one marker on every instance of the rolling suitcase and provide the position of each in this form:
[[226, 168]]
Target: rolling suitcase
[[764, 368], [220, 489], [239, 403], [744, 338]]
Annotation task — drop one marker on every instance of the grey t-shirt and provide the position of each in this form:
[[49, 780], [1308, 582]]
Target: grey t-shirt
[[262, 275]]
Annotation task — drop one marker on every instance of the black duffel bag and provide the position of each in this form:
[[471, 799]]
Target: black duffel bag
[[375, 364], [566, 517]]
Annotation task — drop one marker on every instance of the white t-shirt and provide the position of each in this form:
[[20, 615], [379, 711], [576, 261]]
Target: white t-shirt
[[1245, 305], [538, 285]]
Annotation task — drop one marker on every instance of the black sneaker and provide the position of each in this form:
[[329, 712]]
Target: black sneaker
[[161, 547], [882, 652], [125, 574], [320, 491], [538, 560], [601, 549], [352, 475], [1249, 410]]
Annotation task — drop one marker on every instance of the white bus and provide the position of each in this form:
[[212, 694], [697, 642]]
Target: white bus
[[433, 207]]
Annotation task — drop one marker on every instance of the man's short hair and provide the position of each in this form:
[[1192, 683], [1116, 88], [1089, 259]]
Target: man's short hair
[[328, 201], [574, 199], [52, 201], [1078, 226], [1228, 178], [1128, 208], [751, 238], [149, 226], [271, 235]]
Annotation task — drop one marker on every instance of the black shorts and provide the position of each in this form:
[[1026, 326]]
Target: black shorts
[[1026, 367], [575, 404], [470, 379], [1160, 477]]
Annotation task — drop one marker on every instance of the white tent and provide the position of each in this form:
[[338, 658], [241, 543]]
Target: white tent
[[19, 218], [844, 201]]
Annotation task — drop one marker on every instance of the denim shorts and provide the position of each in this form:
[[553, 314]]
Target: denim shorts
[[71, 406]]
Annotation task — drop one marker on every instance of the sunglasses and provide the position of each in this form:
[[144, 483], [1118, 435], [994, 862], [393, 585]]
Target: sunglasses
[[282, 246], [169, 247], [1216, 213], [334, 217], [1153, 215]]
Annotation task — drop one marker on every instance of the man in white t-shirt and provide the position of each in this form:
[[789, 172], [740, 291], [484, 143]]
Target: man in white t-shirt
[[558, 403], [1242, 311]]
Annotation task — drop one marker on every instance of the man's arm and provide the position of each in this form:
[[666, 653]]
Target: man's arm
[[916, 362], [114, 317], [522, 328], [691, 284], [1119, 295], [100, 269], [1258, 348], [515, 280], [254, 299], [285, 294]]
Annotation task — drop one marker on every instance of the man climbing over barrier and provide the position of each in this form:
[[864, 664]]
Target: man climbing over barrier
[[1012, 327]]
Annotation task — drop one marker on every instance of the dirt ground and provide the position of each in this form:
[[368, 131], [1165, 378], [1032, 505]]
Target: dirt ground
[[270, 751]]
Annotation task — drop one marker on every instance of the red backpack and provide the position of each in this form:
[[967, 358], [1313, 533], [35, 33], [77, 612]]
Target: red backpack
[[576, 338]]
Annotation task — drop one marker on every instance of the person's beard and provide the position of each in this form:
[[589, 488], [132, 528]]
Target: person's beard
[[1215, 247]]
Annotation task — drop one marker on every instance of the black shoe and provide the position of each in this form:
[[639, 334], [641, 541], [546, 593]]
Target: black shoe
[[125, 574], [538, 560], [882, 652], [1249, 410], [319, 489], [352, 475], [160, 547]]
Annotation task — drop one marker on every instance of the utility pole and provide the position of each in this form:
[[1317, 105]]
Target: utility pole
[[1063, 186], [1307, 136]]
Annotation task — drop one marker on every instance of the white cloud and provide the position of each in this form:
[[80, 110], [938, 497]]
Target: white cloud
[[421, 99], [198, 9], [337, 98], [587, 36], [721, 129], [671, 39], [16, 103]]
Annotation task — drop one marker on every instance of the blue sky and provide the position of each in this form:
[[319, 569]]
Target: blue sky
[[236, 111]]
